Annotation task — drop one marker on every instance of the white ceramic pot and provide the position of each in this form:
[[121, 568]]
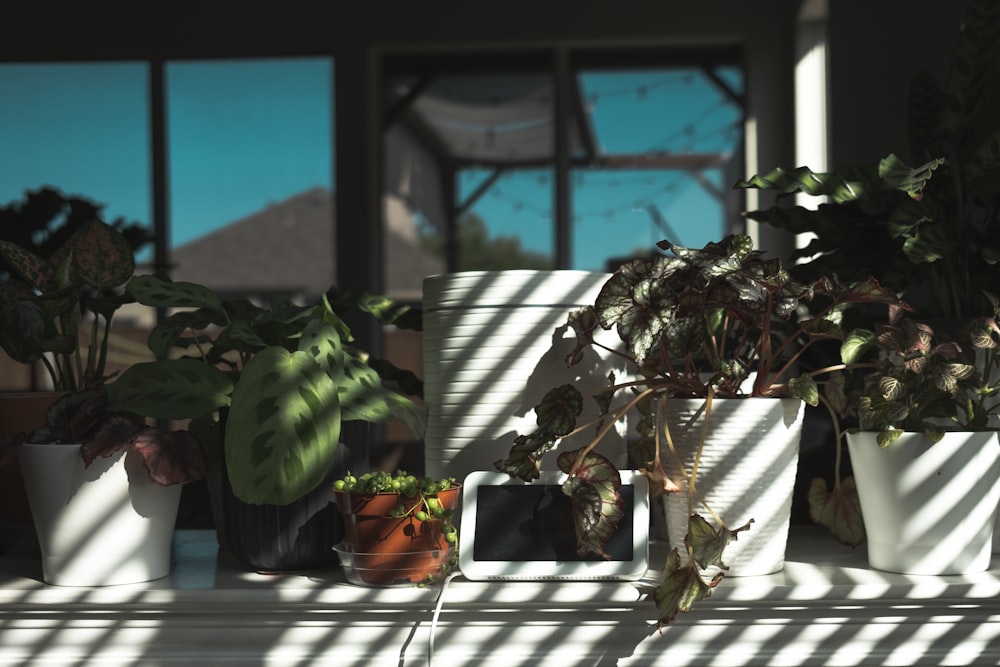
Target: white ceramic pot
[[103, 525], [746, 471], [928, 509]]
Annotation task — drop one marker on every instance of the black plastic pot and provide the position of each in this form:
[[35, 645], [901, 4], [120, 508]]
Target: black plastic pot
[[288, 538]]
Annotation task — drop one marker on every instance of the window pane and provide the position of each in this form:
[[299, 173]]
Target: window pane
[[512, 225], [251, 168], [665, 137], [467, 145], [82, 129]]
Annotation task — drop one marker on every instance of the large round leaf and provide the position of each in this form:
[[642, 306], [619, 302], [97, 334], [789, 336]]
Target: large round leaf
[[283, 427]]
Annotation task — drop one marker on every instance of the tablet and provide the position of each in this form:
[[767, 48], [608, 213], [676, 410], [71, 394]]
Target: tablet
[[516, 530]]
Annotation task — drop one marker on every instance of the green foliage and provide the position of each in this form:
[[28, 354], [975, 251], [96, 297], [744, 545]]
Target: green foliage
[[418, 498], [694, 323], [85, 416], [283, 427], [46, 301], [933, 227], [478, 252], [287, 375], [838, 510]]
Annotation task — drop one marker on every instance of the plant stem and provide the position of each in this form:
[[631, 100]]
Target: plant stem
[[838, 440], [618, 414]]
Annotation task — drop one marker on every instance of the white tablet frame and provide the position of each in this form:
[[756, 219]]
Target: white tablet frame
[[553, 570]]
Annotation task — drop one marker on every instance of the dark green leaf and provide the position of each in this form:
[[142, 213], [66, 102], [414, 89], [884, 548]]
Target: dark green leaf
[[283, 427], [681, 587], [838, 510]]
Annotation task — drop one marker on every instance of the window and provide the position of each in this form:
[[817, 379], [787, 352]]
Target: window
[[472, 159], [250, 173], [80, 128]]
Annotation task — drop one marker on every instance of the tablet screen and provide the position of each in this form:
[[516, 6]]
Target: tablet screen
[[535, 523], [516, 530]]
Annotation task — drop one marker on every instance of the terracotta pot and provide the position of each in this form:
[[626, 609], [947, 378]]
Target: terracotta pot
[[386, 550]]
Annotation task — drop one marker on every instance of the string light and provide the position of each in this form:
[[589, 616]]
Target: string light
[[682, 140]]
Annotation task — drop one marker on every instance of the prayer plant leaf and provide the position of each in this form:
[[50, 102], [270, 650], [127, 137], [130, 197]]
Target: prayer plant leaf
[[838, 510], [681, 587], [597, 504], [707, 544]]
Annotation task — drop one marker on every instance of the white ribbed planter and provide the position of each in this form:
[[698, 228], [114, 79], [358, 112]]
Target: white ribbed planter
[[928, 509], [494, 343], [747, 471], [98, 526]]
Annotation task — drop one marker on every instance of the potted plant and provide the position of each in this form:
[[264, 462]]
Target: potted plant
[[926, 464], [267, 390], [80, 453], [705, 325], [398, 527], [927, 226], [44, 302], [104, 489]]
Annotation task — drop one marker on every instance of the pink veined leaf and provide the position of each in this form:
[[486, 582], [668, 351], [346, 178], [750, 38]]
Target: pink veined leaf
[[113, 436], [171, 458]]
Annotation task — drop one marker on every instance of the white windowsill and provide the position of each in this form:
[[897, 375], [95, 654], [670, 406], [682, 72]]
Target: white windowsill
[[826, 608]]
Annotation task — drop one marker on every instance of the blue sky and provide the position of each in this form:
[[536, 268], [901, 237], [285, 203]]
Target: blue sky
[[243, 135]]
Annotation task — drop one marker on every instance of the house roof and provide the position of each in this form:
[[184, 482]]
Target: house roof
[[288, 249]]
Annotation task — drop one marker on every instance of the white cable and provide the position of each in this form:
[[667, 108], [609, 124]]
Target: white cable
[[434, 619]]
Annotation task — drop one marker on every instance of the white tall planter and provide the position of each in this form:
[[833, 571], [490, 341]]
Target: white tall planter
[[103, 525], [494, 343], [928, 509], [746, 471]]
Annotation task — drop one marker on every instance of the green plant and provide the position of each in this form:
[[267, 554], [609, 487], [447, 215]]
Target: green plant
[[908, 378], [695, 323], [398, 527], [930, 231], [47, 301], [418, 495], [286, 375], [44, 219], [84, 417], [927, 385]]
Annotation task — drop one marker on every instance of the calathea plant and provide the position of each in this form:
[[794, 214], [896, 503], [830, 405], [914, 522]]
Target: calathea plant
[[287, 376], [718, 321], [927, 226]]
